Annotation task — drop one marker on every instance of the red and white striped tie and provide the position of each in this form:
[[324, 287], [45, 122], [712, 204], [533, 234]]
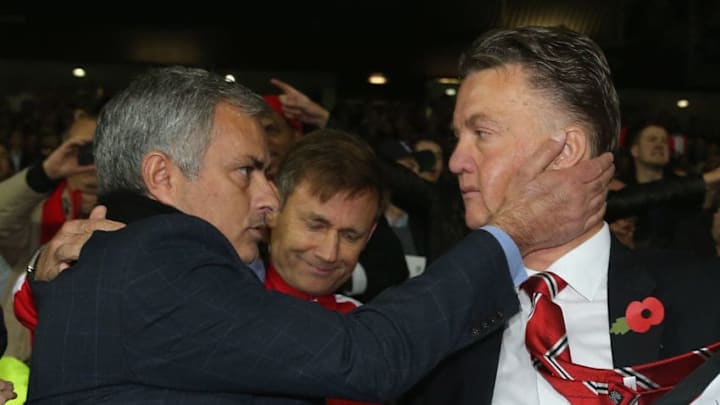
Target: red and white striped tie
[[546, 341]]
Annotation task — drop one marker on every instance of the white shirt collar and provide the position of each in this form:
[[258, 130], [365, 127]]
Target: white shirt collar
[[584, 268]]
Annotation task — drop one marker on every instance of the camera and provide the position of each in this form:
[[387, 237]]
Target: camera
[[85, 154]]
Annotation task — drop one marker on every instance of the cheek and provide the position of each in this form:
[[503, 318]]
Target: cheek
[[350, 254], [293, 239], [494, 178]]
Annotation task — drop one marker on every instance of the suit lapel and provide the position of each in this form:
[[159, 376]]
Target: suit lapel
[[629, 281]]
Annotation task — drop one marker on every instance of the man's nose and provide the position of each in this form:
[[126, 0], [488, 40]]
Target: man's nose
[[267, 195], [327, 248], [460, 160]]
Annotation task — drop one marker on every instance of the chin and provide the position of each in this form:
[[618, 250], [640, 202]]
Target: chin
[[248, 255], [475, 221], [317, 290]]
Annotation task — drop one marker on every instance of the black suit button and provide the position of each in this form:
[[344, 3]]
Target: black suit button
[[500, 314], [476, 332]]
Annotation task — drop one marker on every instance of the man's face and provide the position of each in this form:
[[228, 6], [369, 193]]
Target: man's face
[[231, 190], [651, 148], [499, 122], [280, 136], [315, 245]]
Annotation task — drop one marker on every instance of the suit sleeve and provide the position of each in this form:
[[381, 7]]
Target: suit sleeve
[[170, 305]]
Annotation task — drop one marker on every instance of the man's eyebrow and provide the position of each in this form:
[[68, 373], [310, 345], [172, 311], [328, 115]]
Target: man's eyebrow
[[257, 163], [249, 160], [315, 217], [479, 117]]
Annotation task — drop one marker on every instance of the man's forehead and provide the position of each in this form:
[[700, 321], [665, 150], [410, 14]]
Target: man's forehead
[[306, 191]]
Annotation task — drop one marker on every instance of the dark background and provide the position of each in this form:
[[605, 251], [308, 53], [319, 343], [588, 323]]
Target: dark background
[[659, 50]]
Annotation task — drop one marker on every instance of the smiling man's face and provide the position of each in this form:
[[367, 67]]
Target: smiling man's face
[[315, 245]]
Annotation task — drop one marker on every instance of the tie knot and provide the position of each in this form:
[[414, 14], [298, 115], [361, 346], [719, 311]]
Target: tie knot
[[546, 283]]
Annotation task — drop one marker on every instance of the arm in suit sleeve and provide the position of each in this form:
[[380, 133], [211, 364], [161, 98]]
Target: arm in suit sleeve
[[198, 322], [686, 193], [408, 190]]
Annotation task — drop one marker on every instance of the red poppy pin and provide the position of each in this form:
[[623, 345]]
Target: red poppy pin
[[639, 317]]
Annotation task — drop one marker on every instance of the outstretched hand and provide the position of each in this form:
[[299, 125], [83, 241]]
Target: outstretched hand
[[64, 248], [547, 208], [296, 105]]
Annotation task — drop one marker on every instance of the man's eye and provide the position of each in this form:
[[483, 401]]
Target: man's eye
[[315, 226], [352, 237], [245, 171]]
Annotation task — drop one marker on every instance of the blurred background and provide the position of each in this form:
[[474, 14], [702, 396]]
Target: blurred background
[[664, 53]]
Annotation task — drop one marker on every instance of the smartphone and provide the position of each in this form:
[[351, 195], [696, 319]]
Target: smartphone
[[85, 154]]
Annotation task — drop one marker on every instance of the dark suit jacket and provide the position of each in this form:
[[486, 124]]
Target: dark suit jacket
[[436, 210], [686, 285], [164, 312]]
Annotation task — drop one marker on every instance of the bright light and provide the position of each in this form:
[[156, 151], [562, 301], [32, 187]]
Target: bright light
[[450, 91], [448, 80], [230, 78], [377, 78], [78, 72], [683, 103]]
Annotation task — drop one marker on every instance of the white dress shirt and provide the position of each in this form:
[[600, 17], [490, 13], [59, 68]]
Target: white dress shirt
[[584, 306]]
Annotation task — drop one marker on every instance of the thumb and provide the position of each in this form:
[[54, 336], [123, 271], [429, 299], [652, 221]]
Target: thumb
[[545, 155], [99, 212]]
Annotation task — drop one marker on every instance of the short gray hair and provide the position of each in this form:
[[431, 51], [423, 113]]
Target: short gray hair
[[170, 110], [567, 66]]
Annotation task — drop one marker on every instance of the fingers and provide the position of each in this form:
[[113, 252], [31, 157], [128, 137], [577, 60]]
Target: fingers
[[7, 391], [596, 218], [78, 140], [100, 225], [6, 386], [99, 212], [285, 87], [601, 166], [65, 247], [544, 156]]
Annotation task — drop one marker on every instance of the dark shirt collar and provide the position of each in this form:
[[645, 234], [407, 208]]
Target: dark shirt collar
[[129, 207]]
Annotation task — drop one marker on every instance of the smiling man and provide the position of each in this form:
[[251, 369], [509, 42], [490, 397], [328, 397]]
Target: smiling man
[[165, 310], [330, 199]]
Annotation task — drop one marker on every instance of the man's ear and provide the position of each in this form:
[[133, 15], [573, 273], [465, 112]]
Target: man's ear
[[370, 234], [576, 148], [160, 176]]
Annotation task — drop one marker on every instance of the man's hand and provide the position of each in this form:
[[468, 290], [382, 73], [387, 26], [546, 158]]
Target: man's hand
[[64, 248], [297, 105], [62, 162], [547, 208], [7, 391]]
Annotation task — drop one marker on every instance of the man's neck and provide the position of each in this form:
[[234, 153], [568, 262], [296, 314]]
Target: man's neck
[[647, 173], [542, 259]]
